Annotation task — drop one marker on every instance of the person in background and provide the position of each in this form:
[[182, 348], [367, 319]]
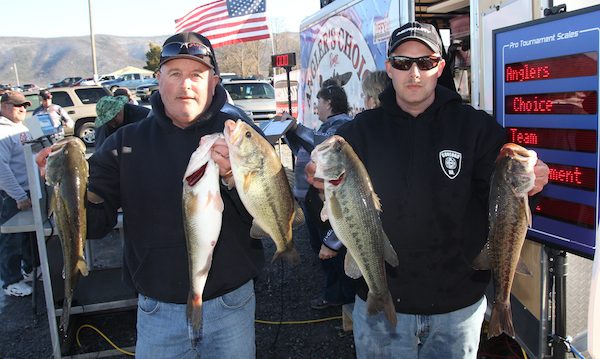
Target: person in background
[[124, 91], [332, 109], [140, 169], [113, 113], [373, 85], [59, 116], [16, 263], [434, 211]]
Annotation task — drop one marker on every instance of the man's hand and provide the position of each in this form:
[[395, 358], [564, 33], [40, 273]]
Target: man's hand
[[220, 154], [541, 171], [24, 204], [326, 252], [309, 172], [41, 159]]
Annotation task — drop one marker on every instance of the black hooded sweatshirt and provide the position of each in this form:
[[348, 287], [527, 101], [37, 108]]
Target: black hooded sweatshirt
[[432, 174], [140, 168]]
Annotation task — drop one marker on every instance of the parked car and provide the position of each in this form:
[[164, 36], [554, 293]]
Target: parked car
[[253, 96], [145, 91], [29, 87], [67, 81], [80, 104], [131, 81]]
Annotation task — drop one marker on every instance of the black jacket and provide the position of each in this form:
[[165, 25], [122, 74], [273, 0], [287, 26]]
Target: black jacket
[[145, 179], [434, 204], [132, 113]]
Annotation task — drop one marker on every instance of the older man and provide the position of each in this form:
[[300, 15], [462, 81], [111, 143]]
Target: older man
[[15, 249], [139, 169]]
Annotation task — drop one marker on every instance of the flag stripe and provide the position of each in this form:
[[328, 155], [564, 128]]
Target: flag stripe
[[214, 21], [203, 15], [208, 30], [206, 8]]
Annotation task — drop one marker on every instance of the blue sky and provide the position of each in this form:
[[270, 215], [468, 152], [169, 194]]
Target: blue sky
[[56, 18]]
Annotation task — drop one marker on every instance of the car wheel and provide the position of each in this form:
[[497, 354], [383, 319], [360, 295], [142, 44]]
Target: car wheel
[[87, 132]]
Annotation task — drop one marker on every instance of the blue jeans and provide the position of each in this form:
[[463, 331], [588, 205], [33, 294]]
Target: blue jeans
[[453, 335], [14, 247], [227, 328]]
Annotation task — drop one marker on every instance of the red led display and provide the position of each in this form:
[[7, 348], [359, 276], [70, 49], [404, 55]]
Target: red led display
[[284, 60], [553, 138], [570, 212], [559, 103], [572, 176], [584, 64]]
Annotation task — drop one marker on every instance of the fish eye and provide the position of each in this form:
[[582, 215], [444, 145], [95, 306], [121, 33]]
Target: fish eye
[[248, 134]]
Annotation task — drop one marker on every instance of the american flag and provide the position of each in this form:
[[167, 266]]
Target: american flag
[[226, 22]]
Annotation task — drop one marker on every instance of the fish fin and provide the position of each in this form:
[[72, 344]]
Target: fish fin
[[299, 218], [289, 173], [290, 255], [388, 252], [482, 261], [66, 313], [216, 201], [256, 232], [522, 268], [501, 321], [384, 303], [194, 310], [376, 202], [82, 266], [324, 215], [334, 205], [350, 267], [248, 178], [527, 211]]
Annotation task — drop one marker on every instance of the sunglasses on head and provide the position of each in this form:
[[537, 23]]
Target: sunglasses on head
[[404, 63], [186, 48]]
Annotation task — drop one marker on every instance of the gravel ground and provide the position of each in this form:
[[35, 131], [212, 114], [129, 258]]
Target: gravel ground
[[283, 295]]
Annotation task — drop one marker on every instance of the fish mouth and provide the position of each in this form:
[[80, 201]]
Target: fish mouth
[[231, 132], [516, 152]]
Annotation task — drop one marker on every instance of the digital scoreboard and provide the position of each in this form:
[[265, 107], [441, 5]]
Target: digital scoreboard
[[546, 96]]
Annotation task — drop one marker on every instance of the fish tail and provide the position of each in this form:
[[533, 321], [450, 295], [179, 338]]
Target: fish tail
[[501, 321], [376, 304], [290, 255], [194, 310], [66, 313], [82, 266]]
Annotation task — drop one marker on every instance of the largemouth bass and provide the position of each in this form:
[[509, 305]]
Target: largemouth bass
[[67, 176], [202, 217], [263, 186], [509, 217], [352, 208]]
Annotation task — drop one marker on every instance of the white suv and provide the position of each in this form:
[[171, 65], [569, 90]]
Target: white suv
[[253, 96]]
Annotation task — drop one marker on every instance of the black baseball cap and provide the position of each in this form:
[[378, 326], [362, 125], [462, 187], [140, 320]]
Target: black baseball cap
[[189, 45], [425, 33]]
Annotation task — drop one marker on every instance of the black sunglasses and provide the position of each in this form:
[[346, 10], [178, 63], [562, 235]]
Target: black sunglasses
[[190, 48], [404, 63], [21, 105]]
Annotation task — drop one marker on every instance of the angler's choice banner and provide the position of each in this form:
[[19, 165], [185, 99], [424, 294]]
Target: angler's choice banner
[[345, 45]]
